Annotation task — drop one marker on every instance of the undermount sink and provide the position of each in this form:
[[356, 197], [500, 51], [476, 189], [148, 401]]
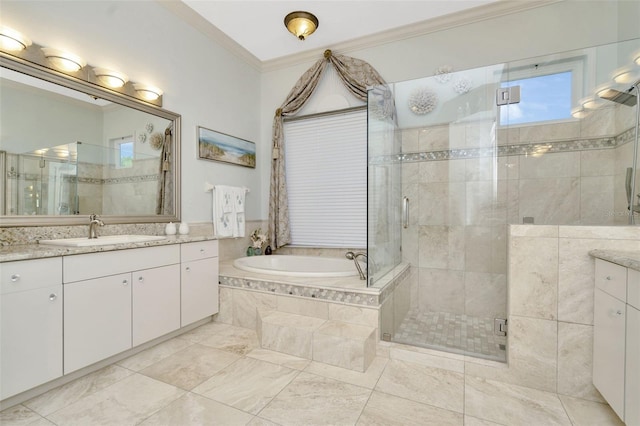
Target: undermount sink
[[102, 241]]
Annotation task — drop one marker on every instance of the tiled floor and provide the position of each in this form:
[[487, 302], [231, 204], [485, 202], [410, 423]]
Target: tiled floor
[[457, 332], [217, 375]]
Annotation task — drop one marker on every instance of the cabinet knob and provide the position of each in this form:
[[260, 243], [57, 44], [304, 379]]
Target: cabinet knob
[[202, 251], [125, 282], [15, 278], [140, 279], [618, 312], [188, 269], [53, 296], [608, 278]]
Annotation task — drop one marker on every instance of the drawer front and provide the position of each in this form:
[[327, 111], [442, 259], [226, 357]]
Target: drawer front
[[95, 265], [611, 279], [633, 288], [25, 275], [199, 250]]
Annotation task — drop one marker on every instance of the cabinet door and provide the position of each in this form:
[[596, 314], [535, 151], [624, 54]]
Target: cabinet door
[[97, 320], [632, 380], [609, 349], [31, 339], [199, 289], [156, 302]]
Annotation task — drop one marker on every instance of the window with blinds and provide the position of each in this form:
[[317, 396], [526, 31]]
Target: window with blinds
[[326, 168]]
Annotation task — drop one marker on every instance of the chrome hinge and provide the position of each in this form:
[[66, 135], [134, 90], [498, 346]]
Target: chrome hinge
[[500, 326], [507, 95]]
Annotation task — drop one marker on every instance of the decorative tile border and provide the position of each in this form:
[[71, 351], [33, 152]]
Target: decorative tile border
[[320, 293], [507, 150]]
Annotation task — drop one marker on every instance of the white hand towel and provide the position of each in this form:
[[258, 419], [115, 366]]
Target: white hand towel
[[223, 211], [228, 211], [239, 202]]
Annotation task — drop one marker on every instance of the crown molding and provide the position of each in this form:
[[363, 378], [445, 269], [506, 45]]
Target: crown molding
[[464, 17], [192, 18]]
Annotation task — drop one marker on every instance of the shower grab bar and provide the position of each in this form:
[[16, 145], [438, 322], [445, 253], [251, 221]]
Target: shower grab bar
[[405, 212]]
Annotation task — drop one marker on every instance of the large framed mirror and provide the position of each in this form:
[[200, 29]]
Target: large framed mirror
[[69, 148]]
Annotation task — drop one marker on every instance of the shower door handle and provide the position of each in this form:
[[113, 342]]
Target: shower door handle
[[405, 212]]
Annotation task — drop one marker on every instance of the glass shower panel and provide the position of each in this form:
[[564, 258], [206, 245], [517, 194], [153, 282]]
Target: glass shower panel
[[572, 158], [384, 181], [455, 235]]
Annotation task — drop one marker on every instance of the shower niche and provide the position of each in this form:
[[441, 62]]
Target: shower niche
[[558, 155]]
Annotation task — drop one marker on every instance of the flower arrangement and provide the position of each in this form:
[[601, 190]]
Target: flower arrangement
[[258, 238]]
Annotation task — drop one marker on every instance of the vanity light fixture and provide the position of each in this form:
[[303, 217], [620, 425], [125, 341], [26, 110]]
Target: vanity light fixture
[[579, 112], [301, 24], [110, 78], [624, 76], [146, 92], [12, 41], [63, 61], [592, 103]]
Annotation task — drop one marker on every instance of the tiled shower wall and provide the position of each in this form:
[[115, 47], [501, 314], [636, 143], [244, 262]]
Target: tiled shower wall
[[465, 186], [551, 287]]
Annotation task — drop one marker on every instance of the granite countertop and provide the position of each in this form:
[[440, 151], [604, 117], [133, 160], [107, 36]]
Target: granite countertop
[[37, 251], [630, 259]]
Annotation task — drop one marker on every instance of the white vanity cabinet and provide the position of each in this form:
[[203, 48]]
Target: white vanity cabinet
[[156, 303], [118, 299], [97, 320], [616, 342], [30, 324], [199, 277], [632, 366]]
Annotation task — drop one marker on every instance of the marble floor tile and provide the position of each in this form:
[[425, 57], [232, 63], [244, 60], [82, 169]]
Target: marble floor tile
[[388, 410], [588, 413], [258, 421], [314, 400], [419, 383], [19, 415], [127, 402], [474, 421], [279, 358], [368, 379], [69, 393], [192, 409], [225, 337], [154, 354], [191, 366], [248, 384], [511, 404]]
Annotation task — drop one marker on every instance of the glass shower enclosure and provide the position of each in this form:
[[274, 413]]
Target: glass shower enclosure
[[457, 157]]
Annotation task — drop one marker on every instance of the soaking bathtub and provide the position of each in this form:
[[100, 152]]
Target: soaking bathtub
[[298, 266]]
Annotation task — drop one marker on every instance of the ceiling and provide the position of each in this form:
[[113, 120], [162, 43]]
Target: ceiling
[[258, 25]]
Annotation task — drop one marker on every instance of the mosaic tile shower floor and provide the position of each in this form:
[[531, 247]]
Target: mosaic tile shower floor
[[453, 332]]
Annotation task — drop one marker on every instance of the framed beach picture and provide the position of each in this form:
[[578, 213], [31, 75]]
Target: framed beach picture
[[217, 146]]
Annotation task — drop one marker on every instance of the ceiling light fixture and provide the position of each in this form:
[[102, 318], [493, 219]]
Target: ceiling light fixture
[[12, 41], [110, 78], [301, 24], [63, 61], [637, 59], [146, 92]]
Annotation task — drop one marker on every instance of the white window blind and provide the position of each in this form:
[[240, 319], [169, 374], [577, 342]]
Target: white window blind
[[326, 167]]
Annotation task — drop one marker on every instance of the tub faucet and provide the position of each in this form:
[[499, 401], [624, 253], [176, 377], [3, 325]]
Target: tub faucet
[[354, 256], [93, 221]]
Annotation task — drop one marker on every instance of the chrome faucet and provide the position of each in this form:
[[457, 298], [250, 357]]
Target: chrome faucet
[[354, 256], [93, 221]]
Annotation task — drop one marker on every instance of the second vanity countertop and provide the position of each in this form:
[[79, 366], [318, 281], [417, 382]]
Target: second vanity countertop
[[37, 251], [629, 259]]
